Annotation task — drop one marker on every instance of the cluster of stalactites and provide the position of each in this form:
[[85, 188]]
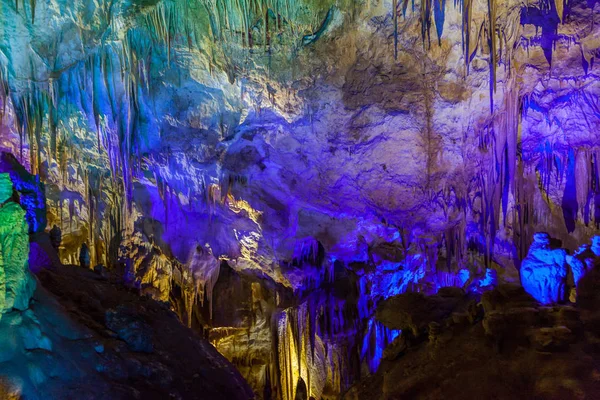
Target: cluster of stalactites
[[376, 339], [20, 6], [219, 27], [488, 35], [100, 93], [322, 342], [201, 275], [303, 356], [579, 171]]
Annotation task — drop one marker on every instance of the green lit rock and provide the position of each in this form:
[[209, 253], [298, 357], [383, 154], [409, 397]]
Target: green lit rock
[[16, 283]]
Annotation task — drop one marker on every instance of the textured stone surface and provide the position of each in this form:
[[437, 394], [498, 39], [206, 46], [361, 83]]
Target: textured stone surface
[[415, 311], [131, 329], [513, 352], [422, 147], [85, 337], [16, 283], [544, 271], [31, 191], [340, 134]]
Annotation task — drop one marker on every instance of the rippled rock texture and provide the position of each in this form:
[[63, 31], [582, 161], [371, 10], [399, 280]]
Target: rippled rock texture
[[332, 154]]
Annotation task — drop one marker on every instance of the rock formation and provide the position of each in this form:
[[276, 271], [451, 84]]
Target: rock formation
[[544, 271], [84, 337], [332, 154], [514, 348], [16, 283]]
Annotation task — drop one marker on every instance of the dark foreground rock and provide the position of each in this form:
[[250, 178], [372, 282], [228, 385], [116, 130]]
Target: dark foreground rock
[[414, 311], [86, 338], [515, 349]]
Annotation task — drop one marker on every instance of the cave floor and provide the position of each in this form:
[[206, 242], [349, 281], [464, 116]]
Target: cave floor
[[466, 362], [107, 341]]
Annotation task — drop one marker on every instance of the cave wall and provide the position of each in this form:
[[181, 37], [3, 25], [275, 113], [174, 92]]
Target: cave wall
[[421, 145]]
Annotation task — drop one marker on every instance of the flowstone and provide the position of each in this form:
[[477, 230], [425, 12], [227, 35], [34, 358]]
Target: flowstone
[[16, 283], [544, 271]]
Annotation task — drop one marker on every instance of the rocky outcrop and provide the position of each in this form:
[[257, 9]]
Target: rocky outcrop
[[31, 191], [414, 311], [131, 329], [420, 147], [517, 349], [144, 266], [544, 271], [294, 341], [85, 337], [16, 283]]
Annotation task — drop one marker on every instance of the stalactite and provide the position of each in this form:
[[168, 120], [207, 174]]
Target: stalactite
[[439, 13], [492, 44], [395, 11], [32, 3], [595, 189], [466, 31], [426, 21], [375, 340], [204, 271], [4, 91], [456, 246], [582, 184], [559, 4], [295, 360]]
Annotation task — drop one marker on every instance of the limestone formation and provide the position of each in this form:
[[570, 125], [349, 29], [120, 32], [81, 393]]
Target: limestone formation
[[131, 329], [204, 269], [396, 348], [544, 271], [595, 247], [416, 312], [344, 152], [525, 349], [31, 191], [16, 283]]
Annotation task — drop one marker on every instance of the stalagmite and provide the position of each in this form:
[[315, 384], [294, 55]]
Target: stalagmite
[[544, 271]]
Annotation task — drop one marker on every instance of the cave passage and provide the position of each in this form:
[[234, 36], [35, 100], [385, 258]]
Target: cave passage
[[299, 199]]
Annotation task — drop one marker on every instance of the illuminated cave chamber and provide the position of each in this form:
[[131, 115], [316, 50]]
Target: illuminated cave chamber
[[313, 187]]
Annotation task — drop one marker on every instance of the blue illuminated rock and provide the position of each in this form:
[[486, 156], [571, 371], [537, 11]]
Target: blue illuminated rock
[[544, 271], [595, 247], [424, 166], [31, 192]]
